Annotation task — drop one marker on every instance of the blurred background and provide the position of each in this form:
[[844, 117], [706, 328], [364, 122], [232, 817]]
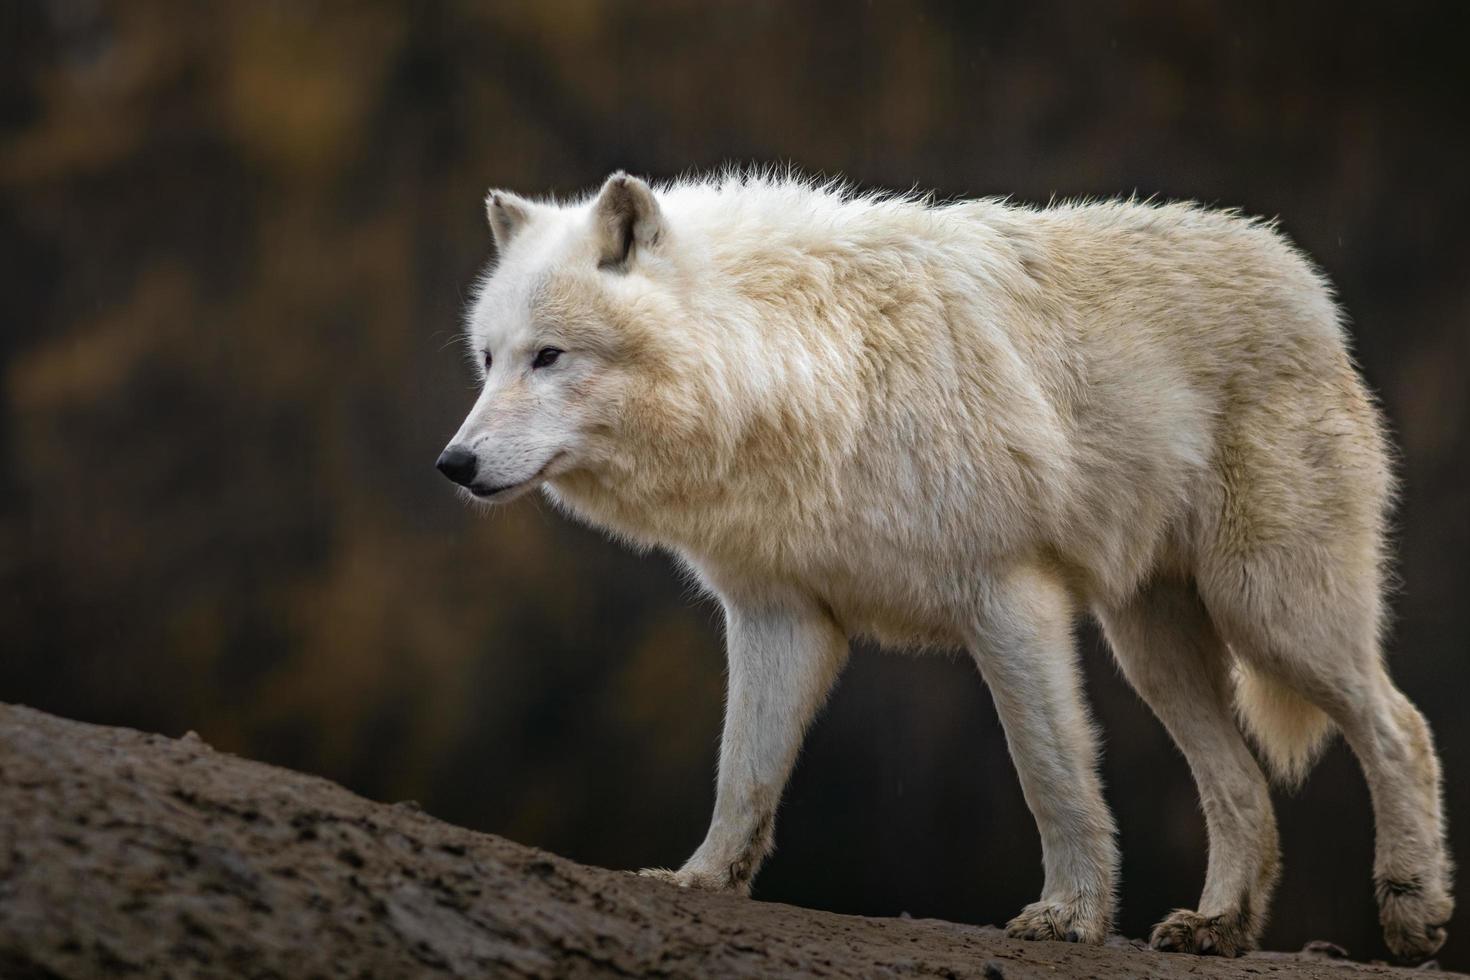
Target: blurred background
[[235, 241]]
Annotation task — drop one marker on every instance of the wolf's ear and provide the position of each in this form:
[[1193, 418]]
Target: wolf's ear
[[508, 214], [625, 218]]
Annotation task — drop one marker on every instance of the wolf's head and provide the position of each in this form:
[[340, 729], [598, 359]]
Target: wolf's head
[[562, 335]]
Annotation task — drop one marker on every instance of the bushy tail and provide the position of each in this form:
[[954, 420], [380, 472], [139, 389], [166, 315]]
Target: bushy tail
[[1289, 730]]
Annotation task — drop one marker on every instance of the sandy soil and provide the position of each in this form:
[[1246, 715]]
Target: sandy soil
[[126, 854]]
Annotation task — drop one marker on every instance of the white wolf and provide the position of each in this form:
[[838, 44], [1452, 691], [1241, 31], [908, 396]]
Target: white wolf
[[965, 425]]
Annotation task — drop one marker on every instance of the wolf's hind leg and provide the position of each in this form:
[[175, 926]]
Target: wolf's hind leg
[[1411, 870], [1169, 651], [1320, 638], [1024, 647]]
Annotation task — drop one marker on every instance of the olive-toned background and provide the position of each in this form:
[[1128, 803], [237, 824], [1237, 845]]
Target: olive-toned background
[[235, 240]]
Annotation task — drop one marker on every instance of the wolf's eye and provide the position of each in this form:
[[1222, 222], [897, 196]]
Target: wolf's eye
[[489, 359], [545, 357]]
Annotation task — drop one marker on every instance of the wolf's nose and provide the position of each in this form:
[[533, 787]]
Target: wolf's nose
[[459, 464]]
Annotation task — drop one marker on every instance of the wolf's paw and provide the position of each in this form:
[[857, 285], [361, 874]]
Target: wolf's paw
[[1413, 918], [1057, 921], [699, 880], [1183, 931]]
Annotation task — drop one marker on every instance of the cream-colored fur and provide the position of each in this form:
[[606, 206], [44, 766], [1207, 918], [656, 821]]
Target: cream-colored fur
[[966, 425]]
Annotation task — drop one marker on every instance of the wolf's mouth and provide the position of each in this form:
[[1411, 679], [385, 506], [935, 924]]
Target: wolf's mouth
[[490, 493], [485, 493]]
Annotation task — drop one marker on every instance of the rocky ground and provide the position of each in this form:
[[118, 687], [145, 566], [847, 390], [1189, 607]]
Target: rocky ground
[[127, 854]]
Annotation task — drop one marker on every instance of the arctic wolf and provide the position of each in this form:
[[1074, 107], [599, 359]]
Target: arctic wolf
[[964, 425]]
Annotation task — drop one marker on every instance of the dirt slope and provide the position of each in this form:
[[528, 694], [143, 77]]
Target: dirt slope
[[125, 854]]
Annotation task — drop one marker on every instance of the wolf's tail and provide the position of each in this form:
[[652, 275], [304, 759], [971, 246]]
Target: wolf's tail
[[1289, 730]]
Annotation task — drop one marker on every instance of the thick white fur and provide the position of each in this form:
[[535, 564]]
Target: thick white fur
[[965, 425]]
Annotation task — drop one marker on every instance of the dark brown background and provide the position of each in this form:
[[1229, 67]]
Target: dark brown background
[[235, 240]]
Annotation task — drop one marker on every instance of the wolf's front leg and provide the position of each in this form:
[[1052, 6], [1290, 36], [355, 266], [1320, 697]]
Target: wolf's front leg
[[1023, 644], [783, 657]]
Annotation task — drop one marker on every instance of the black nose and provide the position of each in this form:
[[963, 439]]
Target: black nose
[[459, 464]]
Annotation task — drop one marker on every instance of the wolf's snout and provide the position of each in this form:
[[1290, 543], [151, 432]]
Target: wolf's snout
[[459, 464]]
